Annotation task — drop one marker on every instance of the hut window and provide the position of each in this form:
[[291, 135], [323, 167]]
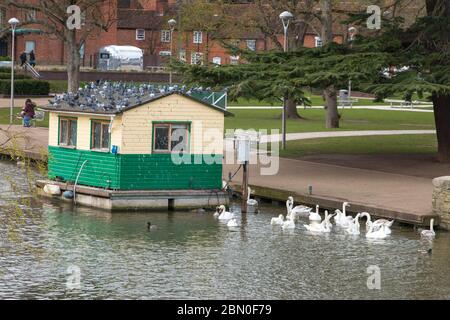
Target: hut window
[[100, 135], [67, 132], [171, 137]]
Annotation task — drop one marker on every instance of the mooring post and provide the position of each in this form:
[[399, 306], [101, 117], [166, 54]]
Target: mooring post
[[245, 187]]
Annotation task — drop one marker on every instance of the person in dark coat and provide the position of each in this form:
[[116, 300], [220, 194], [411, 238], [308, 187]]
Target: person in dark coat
[[23, 58], [28, 113], [32, 58]]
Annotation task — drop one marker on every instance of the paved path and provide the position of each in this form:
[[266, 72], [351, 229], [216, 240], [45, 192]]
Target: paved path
[[384, 108], [336, 134], [403, 197], [20, 102]]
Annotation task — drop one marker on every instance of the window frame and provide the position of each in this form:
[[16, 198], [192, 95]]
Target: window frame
[[197, 37], [92, 138], [318, 43], [197, 54], [137, 34], [69, 121], [166, 36], [169, 124], [254, 44]]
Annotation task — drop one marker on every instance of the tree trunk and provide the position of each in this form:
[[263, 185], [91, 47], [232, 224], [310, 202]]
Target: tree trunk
[[291, 108], [330, 92], [73, 62], [332, 120], [441, 105]]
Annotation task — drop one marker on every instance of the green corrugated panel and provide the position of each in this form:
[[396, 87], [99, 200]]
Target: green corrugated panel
[[132, 172], [158, 172], [100, 170]]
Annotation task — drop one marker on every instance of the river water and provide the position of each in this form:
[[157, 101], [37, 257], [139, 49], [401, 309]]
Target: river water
[[193, 256]]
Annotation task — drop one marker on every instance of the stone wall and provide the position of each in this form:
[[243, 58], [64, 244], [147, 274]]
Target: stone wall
[[441, 201]]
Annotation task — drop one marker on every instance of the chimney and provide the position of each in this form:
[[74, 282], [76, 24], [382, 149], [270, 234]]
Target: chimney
[[162, 6]]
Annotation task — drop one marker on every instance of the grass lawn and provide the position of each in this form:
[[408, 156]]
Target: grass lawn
[[4, 117], [315, 100], [397, 144], [315, 120]]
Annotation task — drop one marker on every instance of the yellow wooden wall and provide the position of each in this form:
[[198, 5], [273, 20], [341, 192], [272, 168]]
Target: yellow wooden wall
[[207, 125], [132, 131]]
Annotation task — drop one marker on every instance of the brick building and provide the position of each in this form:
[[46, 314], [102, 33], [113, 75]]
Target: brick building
[[143, 23]]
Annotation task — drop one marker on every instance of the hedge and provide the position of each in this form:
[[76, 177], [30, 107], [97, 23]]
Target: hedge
[[5, 70], [5, 59], [26, 87], [7, 76]]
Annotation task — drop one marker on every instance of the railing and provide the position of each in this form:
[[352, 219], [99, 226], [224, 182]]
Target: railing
[[29, 67]]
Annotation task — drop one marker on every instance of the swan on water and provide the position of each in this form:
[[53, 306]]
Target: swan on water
[[378, 223], [232, 223], [251, 202], [341, 218], [354, 227], [324, 227], [379, 233], [429, 233], [315, 216], [288, 224], [298, 211], [217, 213], [151, 227], [224, 214], [277, 221]]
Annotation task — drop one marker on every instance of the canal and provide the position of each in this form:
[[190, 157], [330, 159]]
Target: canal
[[194, 256]]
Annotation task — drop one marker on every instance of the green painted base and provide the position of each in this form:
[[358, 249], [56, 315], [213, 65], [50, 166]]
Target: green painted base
[[134, 172]]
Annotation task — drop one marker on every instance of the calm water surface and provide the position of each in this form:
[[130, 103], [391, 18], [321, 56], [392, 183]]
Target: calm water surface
[[194, 256]]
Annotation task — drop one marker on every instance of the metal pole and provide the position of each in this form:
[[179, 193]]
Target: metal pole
[[284, 114], [245, 188], [171, 49], [12, 75]]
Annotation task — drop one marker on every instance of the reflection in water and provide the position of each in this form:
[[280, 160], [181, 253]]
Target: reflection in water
[[193, 255]]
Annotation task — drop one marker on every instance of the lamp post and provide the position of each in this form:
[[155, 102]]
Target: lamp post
[[13, 22], [286, 17], [352, 31], [172, 23]]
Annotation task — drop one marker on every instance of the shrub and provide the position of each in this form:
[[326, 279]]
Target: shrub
[[5, 70], [7, 76], [26, 87], [5, 58]]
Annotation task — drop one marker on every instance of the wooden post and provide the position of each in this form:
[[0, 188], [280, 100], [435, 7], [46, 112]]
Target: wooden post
[[245, 187]]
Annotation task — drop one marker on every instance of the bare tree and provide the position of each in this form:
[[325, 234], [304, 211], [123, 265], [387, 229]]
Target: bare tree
[[96, 16]]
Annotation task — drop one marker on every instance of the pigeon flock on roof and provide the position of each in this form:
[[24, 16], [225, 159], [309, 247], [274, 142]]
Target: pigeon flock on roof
[[111, 97]]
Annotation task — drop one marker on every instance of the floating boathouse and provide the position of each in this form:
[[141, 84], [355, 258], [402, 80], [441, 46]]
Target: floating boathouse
[[121, 147]]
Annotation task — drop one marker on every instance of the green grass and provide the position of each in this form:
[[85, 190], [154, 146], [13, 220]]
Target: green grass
[[396, 144], [315, 100], [60, 86], [315, 120], [4, 117]]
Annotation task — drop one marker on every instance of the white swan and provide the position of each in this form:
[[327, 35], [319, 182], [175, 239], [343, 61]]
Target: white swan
[[217, 213], [315, 216], [298, 211], [225, 215], [277, 221], [341, 218], [232, 223], [380, 233], [324, 227], [354, 227], [378, 223], [429, 233], [251, 202], [288, 224]]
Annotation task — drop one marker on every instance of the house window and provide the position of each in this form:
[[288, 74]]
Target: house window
[[30, 15], [171, 137], [198, 37], [182, 55], [140, 34], [2, 17], [30, 46], [251, 45], [217, 60], [100, 135], [318, 42], [196, 58], [234, 60], [165, 36], [67, 132]]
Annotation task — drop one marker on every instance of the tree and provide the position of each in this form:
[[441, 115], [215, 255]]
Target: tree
[[96, 16], [422, 51]]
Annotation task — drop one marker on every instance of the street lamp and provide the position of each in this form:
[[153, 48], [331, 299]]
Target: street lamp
[[352, 31], [286, 17], [172, 23], [13, 22]]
